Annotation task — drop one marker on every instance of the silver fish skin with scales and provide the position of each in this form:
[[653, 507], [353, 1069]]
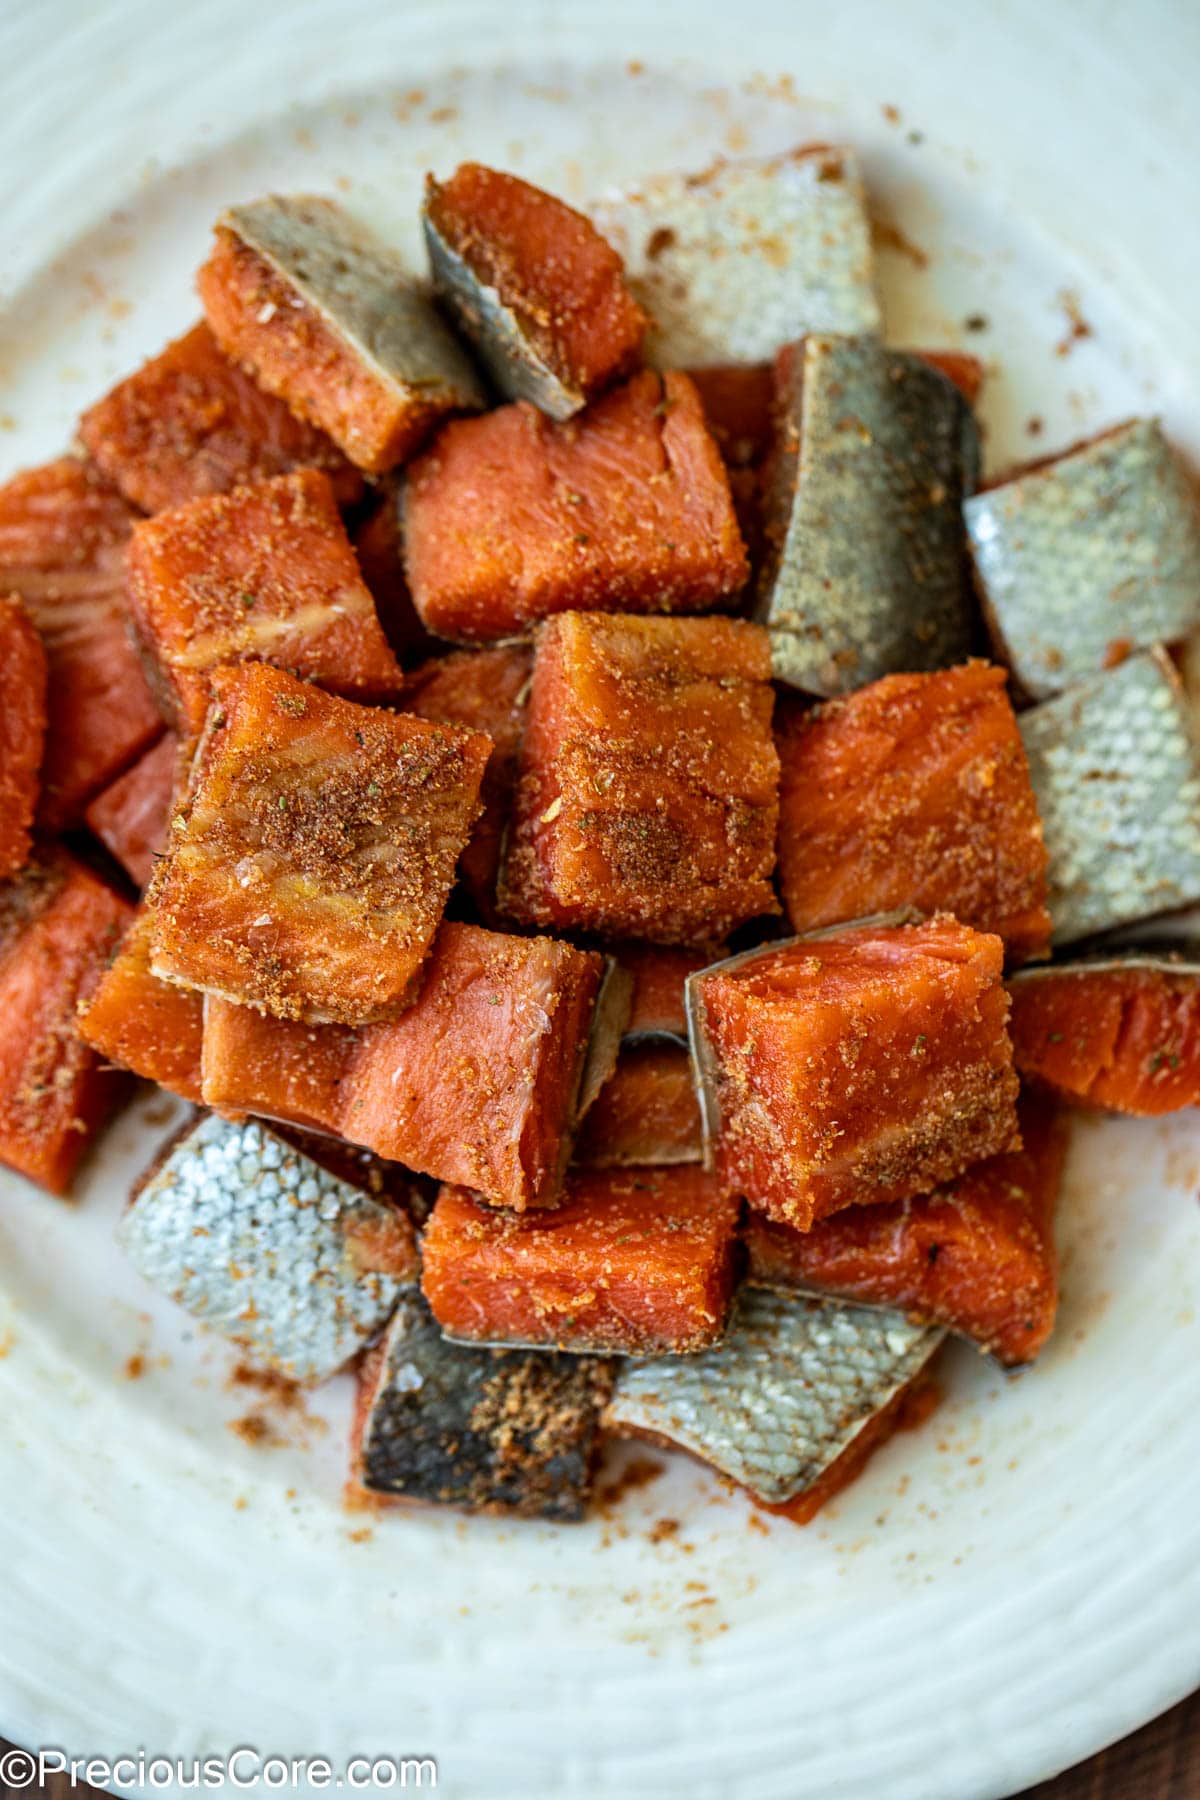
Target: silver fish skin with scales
[[1099, 548], [503, 1431], [735, 261], [865, 572], [1115, 769], [363, 292], [267, 1247], [787, 1392]]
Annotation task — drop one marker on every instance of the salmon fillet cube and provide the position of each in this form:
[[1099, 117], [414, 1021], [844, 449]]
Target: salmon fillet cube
[[266, 573], [141, 1023], [485, 690], [327, 318], [625, 508], [274, 1068], [1121, 1036], [638, 1261], [533, 286], [480, 1082], [131, 816], [189, 423], [63, 533], [977, 1255], [660, 973], [648, 792], [22, 731], [311, 860], [913, 791], [379, 547], [58, 927], [646, 1112], [854, 1067]]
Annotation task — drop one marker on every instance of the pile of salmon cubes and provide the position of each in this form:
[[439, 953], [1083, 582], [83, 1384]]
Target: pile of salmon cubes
[[637, 842]]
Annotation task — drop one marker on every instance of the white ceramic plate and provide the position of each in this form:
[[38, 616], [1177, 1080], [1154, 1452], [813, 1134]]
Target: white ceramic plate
[[1002, 1592]]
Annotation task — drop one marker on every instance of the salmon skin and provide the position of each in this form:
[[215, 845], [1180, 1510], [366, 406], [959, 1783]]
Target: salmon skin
[[487, 1431], [189, 423], [785, 1395], [532, 286], [268, 1247], [865, 571], [327, 317], [1116, 774], [857, 1065], [132, 814], [1087, 557], [22, 731], [1119, 1032], [746, 256]]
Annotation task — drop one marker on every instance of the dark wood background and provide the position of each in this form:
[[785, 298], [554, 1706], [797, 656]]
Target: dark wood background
[[1160, 1762]]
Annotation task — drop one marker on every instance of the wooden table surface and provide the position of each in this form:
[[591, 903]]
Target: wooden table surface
[[1160, 1762]]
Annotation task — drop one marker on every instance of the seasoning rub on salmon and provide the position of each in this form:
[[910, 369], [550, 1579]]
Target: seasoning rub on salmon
[[268, 1247], [326, 316], [138, 1022], [22, 731], [310, 863], [865, 572], [511, 1432]]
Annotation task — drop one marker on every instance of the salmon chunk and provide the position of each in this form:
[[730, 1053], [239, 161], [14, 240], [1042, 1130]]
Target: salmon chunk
[[311, 861], [141, 1023], [1123, 1035], [480, 1082], [132, 814], [274, 1068], [857, 1066], [533, 286], [22, 731], [379, 547], [510, 517], [977, 1255], [660, 973], [63, 533], [647, 798], [645, 1113], [638, 1261], [189, 423], [326, 317], [913, 791], [266, 573], [58, 927], [485, 690]]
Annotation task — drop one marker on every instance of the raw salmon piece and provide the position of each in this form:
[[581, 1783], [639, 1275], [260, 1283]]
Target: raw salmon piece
[[22, 731], [511, 1432], [646, 1112], [1085, 557], [866, 567], [141, 1023], [533, 286], [266, 573], [1123, 1034], [63, 533], [660, 973], [913, 791], [311, 860], [1115, 767], [737, 259], [482, 1080], [907, 1410], [855, 1066], [626, 508], [976, 1256], [964, 370], [638, 1261], [132, 814], [276, 1068], [190, 423], [485, 690], [58, 927], [269, 1246], [379, 547], [792, 1388], [647, 799], [327, 318]]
